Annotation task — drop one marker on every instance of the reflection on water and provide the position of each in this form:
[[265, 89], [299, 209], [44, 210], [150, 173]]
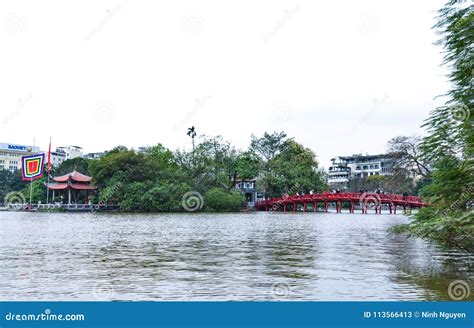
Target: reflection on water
[[251, 256]]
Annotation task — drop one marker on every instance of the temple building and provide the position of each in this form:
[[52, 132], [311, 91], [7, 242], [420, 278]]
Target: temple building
[[249, 189], [74, 183]]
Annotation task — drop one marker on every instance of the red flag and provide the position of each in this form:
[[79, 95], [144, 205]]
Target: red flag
[[49, 156]]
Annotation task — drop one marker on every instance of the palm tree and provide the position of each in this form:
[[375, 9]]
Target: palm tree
[[192, 134]]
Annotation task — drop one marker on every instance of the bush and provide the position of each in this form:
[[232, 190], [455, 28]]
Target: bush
[[220, 200]]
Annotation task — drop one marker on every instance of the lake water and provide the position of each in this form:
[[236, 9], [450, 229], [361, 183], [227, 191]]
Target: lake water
[[248, 256]]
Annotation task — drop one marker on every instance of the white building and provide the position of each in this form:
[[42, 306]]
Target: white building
[[10, 155], [57, 157], [344, 168], [70, 151], [95, 155]]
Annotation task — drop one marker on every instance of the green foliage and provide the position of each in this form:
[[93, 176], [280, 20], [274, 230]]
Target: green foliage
[[452, 228], [450, 140], [119, 165], [220, 200], [409, 155], [269, 145], [164, 198], [79, 164], [287, 166], [450, 127], [9, 182], [157, 179], [398, 183], [248, 165]]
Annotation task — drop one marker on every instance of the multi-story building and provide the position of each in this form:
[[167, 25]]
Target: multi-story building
[[10, 155], [339, 174], [71, 151], [143, 149], [95, 155], [57, 157], [344, 168]]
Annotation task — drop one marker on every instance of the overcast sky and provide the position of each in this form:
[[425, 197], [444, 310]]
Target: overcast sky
[[341, 77]]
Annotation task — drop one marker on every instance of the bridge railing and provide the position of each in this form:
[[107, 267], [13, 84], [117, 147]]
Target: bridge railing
[[345, 196]]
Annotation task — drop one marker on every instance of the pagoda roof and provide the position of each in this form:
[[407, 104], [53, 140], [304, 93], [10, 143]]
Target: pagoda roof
[[76, 186], [75, 176]]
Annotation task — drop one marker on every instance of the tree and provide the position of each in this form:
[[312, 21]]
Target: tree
[[397, 183], [10, 182], [248, 165], [192, 133], [116, 170], [294, 169], [269, 145], [409, 156], [78, 164], [220, 200], [450, 126], [450, 140]]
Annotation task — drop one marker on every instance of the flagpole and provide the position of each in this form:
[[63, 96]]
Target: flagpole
[[49, 169], [31, 179], [31, 191]]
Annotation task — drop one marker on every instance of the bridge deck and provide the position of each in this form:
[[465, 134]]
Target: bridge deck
[[352, 198]]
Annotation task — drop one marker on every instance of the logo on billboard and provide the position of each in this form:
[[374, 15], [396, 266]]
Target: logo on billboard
[[18, 147]]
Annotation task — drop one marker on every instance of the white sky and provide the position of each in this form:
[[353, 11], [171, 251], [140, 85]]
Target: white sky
[[341, 77]]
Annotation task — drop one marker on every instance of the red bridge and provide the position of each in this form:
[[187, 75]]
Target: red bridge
[[365, 200]]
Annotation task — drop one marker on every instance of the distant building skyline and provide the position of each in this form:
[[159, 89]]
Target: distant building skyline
[[345, 168]]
